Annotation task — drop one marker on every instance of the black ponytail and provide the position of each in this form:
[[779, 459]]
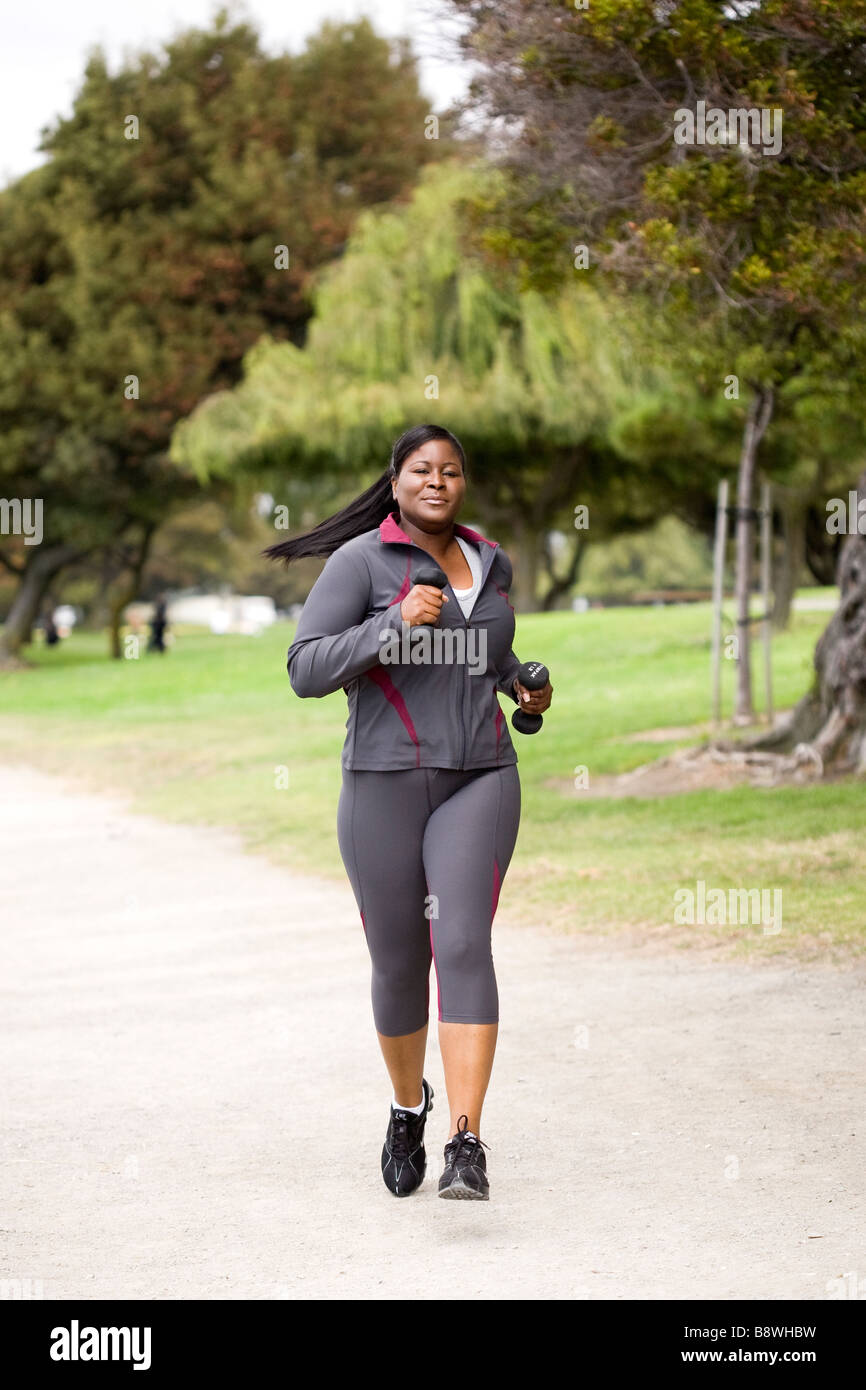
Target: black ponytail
[[366, 511]]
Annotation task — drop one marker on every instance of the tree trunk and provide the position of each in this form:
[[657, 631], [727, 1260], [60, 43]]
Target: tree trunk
[[830, 720], [561, 585], [129, 587], [757, 420], [99, 611], [115, 612], [790, 556], [526, 560], [41, 570], [823, 552]]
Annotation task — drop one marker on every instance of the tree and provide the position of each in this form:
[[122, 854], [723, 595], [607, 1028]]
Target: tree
[[761, 243], [142, 260], [410, 326], [827, 727]]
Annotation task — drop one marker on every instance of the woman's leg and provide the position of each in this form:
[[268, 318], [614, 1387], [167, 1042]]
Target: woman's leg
[[380, 827], [468, 844], [467, 1056], [404, 1058]]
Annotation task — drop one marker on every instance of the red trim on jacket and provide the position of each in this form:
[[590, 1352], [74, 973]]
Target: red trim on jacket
[[390, 530], [392, 694]]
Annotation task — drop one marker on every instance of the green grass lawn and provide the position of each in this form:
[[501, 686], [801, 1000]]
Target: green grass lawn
[[201, 734]]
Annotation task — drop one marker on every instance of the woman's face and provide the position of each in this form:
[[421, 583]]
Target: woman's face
[[430, 486]]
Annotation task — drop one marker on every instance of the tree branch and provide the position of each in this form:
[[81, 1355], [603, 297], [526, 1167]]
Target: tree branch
[[10, 564]]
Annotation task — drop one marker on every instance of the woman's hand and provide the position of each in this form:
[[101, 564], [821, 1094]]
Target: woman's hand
[[533, 701], [422, 604]]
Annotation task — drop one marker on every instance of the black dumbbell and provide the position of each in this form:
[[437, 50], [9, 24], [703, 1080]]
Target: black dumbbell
[[534, 675], [433, 576]]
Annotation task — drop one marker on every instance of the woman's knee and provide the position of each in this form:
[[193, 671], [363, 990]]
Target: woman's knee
[[463, 953], [399, 1009]]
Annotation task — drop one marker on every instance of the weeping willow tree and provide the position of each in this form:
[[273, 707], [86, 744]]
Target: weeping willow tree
[[412, 326]]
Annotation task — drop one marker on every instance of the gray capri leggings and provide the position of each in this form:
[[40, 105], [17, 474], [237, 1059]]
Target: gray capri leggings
[[426, 850]]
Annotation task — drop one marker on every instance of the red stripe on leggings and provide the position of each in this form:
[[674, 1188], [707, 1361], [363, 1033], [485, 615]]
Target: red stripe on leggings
[[497, 884]]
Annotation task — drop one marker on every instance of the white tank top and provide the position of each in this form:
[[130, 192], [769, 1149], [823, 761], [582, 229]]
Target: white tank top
[[466, 597]]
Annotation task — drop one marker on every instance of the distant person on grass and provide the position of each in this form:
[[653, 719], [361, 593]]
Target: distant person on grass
[[158, 626], [49, 627], [430, 802]]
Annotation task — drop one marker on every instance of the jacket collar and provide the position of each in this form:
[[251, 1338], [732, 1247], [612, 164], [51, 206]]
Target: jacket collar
[[391, 532]]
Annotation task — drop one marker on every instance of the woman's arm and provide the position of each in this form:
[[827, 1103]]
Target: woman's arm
[[507, 675], [508, 671], [334, 642]]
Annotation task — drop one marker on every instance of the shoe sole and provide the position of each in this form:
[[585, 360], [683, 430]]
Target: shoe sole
[[458, 1190]]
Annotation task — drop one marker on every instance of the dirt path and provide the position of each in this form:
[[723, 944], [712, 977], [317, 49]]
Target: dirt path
[[195, 1101]]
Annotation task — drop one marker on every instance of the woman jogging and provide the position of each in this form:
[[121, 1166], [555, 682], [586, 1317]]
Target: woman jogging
[[430, 802]]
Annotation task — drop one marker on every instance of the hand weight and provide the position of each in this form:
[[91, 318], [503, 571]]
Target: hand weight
[[433, 576], [534, 675]]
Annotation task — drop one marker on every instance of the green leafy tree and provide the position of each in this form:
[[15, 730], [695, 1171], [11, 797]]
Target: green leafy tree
[[750, 228], [186, 204], [410, 325]]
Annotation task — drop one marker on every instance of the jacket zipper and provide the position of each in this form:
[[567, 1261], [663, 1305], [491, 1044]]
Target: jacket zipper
[[463, 684], [466, 624]]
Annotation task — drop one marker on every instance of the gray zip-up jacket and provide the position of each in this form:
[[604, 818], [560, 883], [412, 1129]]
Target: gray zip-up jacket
[[407, 710]]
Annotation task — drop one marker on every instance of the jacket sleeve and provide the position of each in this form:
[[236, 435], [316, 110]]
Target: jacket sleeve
[[334, 642], [507, 675], [511, 665]]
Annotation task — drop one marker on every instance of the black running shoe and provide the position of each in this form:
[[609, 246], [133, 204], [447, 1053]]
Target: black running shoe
[[404, 1159], [465, 1174]]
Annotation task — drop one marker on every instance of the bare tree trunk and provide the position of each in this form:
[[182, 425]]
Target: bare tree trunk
[[526, 561], [830, 720], [757, 420], [791, 554], [823, 553], [41, 569], [128, 588], [99, 614], [561, 585]]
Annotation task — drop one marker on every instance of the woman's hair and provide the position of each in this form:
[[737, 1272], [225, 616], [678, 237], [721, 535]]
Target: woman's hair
[[366, 511]]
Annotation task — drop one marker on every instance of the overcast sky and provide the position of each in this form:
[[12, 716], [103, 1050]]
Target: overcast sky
[[44, 49]]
